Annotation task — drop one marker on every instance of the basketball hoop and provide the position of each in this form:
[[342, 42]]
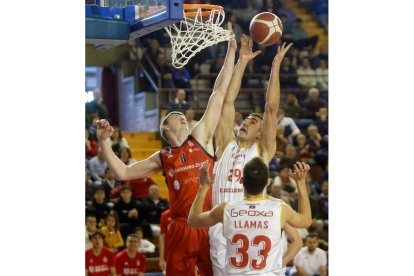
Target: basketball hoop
[[199, 29]]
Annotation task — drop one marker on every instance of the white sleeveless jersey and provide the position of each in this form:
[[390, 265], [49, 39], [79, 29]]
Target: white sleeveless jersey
[[253, 237], [228, 172]]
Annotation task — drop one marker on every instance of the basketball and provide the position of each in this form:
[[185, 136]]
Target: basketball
[[266, 29]]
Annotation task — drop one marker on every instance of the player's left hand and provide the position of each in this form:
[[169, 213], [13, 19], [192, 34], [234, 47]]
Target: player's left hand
[[281, 51], [205, 179]]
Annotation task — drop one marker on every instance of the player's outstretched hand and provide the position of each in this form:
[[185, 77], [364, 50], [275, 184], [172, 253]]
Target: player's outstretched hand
[[246, 47], [301, 170], [281, 51], [205, 179], [104, 130], [232, 42]]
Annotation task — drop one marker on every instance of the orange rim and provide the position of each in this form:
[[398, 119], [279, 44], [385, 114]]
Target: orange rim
[[216, 9]]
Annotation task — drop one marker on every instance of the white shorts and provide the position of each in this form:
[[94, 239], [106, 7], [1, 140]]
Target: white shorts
[[217, 249]]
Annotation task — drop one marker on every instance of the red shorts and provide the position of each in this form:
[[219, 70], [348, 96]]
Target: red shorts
[[188, 250]]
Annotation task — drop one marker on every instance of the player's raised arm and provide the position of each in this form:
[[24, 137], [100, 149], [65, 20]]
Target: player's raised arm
[[205, 128], [224, 133], [303, 218], [268, 130], [139, 169], [197, 218], [294, 246]]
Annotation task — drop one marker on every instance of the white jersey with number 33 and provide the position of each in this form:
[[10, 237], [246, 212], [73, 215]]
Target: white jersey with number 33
[[228, 172], [254, 237]]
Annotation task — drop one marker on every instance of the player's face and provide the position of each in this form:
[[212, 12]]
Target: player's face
[[97, 241], [249, 129], [177, 121], [312, 243], [132, 243]]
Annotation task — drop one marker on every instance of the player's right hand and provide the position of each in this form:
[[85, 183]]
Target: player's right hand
[[103, 130]]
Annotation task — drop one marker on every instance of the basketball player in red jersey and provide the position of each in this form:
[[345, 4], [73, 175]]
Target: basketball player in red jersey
[[180, 163], [256, 137]]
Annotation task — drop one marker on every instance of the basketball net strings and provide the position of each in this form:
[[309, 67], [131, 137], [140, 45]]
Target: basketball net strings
[[191, 35]]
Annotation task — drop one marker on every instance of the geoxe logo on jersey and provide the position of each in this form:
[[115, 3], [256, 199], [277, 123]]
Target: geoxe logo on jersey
[[251, 213]]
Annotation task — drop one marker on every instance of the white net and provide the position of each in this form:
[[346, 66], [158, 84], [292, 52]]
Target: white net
[[196, 32]]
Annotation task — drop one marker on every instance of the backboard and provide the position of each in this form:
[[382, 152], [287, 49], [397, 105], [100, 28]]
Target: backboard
[[110, 23]]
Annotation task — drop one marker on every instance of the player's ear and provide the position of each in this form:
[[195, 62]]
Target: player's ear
[[258, 135]]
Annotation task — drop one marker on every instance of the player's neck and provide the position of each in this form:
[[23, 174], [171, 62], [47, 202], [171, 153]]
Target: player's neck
[[97, 251], [253, 197], [245, 144], [178, 140], [131, 253]]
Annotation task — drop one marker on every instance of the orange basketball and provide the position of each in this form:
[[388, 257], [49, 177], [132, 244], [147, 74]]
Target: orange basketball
[[266, 29]]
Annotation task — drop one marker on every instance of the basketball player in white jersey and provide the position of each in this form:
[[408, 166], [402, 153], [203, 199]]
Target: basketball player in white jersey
[[253, 226], [256, 137]]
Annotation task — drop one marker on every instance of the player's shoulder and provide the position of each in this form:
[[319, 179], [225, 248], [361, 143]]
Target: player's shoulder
[[107, 251]]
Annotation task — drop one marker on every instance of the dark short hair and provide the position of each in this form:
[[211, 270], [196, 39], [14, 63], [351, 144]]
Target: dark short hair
[[99, 188], [255, 176], [312, 235], [132, 236], [125, 187], [138, 229], [96, 232]]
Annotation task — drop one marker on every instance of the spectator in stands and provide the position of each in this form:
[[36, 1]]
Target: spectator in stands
[[311, 260], [189, 115], [261, 63], [322, 75], [90, 227], [287, 122], [303, 148], [312, 104], [313, 200], [127, 210], [89, 187], [164, 238], [286, 184], [139, 187], [322, 55], [276, 190], [291, 106], [144, 246], [153, 50], [98, 207], [181, 78], [125, 156], [97, 167], [281, 140], [165, 70], [301, 38], [109, 183], [287, 74], [216, 67], [92, 127], [130, 261], [113, 238], [306, 75], [99, 260], [152, 207], [116, 141], [179, 104], [91, 146], [323, 200], [322, 121], [290, 152], [289, 13], [250, 81], [96, 107], [314, 138]]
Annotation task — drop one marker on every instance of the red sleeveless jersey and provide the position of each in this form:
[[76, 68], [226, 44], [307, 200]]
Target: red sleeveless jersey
[[181, 170]]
